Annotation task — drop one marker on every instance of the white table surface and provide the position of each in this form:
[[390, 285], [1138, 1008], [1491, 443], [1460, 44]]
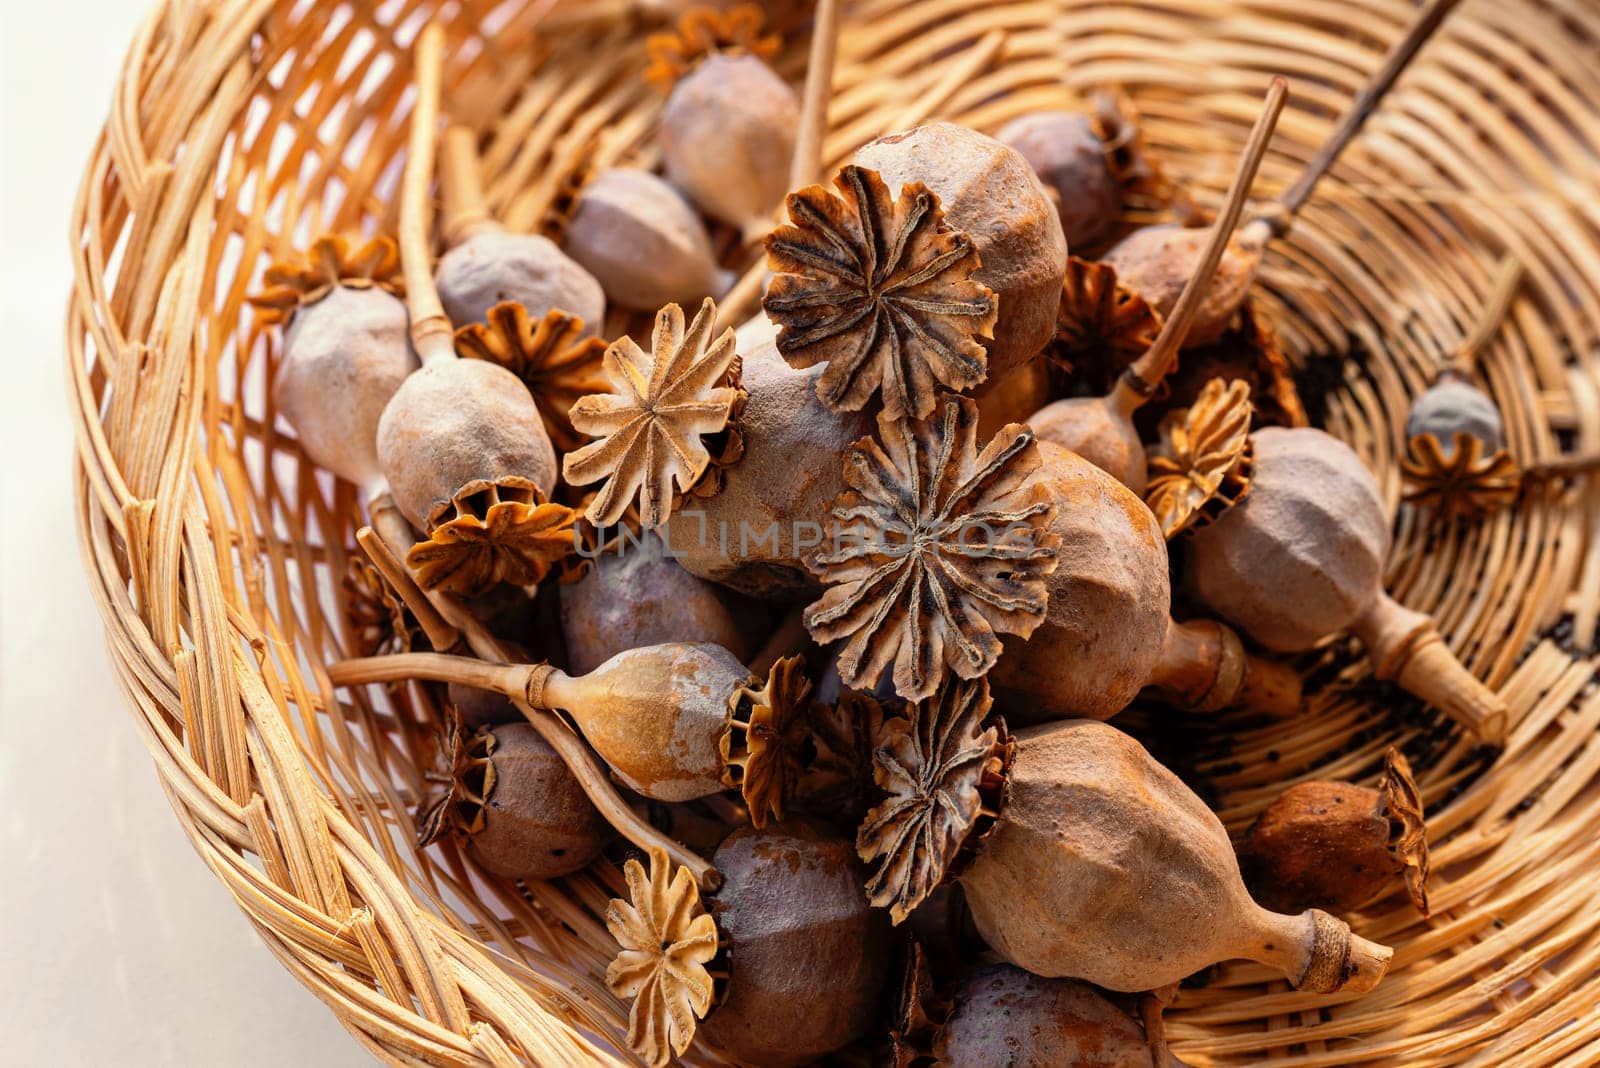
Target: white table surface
[[117, 946]]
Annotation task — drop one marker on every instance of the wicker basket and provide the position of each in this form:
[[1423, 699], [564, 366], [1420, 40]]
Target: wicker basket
[[241, 127]]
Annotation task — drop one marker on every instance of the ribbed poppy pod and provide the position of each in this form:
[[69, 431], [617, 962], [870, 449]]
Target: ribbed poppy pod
[[1301, 558], [346, 349], [488, 265], [1065, 150], [800, 955], [1079, 855], [636, 594], [674, 722], [990, 193], [519, 810], [807, 955], [727, 136], [1004, 1015], [640, 240], [755, 534]]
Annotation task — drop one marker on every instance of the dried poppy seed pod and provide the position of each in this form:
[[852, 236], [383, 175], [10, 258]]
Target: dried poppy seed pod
[[1088, 860], [754, 535], [1100, 429], [1004, 1015], [990, 193], [457, 428], [1108, 632], [638, 237], [638, 595], [345, 350], [1339, 846], [727, 136], [807, 955], [487, 265], [675, 722], [1451, 406], [1154, 261], [1301, 557], [1070, 159], [522, 813]]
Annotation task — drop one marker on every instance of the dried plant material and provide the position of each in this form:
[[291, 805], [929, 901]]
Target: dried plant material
[[500, 532], [1460, 482], [1339, 846], [807, 956], [1302, 557], [638, 235], [331, 261], [1003, 1015], [936, 550], [493, 266], [551, 356], [1203, 467], [767, 747], [454, 428], [650, 427], [1102, 326], [380, 622], [706, 31], [991, 194], [881, 290], [1072, 161], [920, 1012], [838, 782], [468, 779], [936, 764], [666, 941], [1408, 829], [634, 593], [727, 135], [1115, 121], [1250, 353], [1103, 866]]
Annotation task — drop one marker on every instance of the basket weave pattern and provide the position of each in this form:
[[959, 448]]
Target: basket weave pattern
[[241, 128]]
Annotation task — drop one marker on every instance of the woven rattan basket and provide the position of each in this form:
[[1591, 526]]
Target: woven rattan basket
[[242, 127]]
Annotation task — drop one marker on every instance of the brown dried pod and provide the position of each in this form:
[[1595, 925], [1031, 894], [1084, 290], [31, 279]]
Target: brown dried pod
[[1014, 398], [935, 550], [1339, 846], [1456, 459], [1302, 556], [1250, 353], [1004, 1015], [487, 265], [702, 32], [754, 534], [551, 355], [636, 594], [767, 752], [1203, 466], [658, 714], [882, 292], [1071, 160], [1101, 429], [991, 194], [649, 427], [727, 137], [807, 956], [1088, 860], [345, 349], [520, 811], [640, 239], [1156, 261], [1107, 631]]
